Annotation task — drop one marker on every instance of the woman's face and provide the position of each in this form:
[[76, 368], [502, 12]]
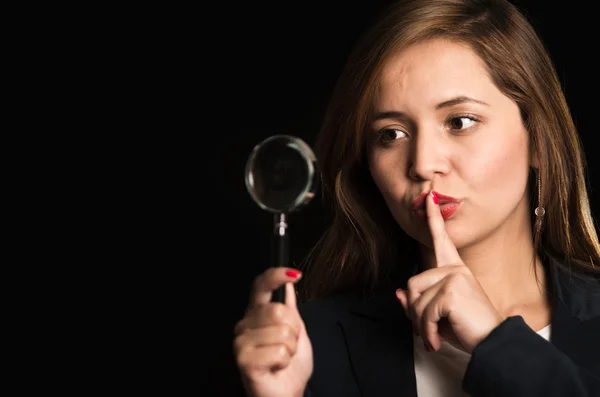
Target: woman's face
[[439, 120]]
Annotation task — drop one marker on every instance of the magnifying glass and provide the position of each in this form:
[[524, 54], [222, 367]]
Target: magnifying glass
[[281, 177]]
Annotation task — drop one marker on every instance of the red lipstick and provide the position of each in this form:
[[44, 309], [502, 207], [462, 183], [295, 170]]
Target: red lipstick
[[419, 202], [448, 205]]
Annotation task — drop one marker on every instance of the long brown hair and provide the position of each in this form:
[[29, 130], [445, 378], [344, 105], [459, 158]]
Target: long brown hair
[[363, 243]]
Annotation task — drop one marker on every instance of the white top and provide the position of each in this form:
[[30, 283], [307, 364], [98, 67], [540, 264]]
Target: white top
[[440, 374]]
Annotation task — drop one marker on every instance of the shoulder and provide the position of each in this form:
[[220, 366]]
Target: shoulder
[[579, 292]]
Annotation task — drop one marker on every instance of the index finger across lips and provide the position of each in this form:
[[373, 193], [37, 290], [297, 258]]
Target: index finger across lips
[[445, 250]]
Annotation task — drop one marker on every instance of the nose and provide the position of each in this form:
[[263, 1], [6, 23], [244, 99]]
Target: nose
[[429, 156]]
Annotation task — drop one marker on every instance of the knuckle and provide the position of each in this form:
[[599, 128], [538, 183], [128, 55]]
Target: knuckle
[[452, 278], [284, 331], [277, 311], [241, 360], [457, 270], [411, 284], [238, 344], [448, 299], [458, 277], [465, 274], [448, 288], [239, 327], [281, 352]]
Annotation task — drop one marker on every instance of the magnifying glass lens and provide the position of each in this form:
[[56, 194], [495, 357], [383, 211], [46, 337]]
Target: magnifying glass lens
[[280, 174]]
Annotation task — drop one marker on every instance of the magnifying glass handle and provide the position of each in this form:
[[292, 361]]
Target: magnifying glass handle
[[280, 244]]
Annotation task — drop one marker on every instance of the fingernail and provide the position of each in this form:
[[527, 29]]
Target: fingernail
[[434, 196], [428, 347], [293, 273]]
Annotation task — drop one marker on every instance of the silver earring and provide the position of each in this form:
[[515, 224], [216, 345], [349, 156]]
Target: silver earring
[[539, 210]]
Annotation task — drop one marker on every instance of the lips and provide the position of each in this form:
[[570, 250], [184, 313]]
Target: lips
[[419, 202], [448, 205]]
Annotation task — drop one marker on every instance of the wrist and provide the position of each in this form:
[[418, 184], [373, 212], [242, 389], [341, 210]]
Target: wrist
[[493, 325]]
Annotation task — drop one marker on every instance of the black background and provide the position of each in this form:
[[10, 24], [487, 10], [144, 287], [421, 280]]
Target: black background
[[275, 65]]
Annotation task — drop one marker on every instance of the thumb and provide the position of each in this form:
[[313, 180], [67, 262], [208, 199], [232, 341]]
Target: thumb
[[290, 295], [290, 301], [402, 298]]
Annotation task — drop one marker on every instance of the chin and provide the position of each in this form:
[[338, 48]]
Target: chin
[[460, 237]]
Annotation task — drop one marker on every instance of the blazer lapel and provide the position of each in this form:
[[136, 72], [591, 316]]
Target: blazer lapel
[[380, 344]]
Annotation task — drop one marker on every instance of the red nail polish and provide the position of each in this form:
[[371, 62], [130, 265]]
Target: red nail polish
[[434, 196], [293, 273]]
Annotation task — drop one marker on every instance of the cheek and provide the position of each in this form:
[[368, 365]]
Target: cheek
[[387, 171], [500, 170]]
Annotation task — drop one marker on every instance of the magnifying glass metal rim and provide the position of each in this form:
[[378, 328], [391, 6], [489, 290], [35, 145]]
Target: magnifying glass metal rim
[[306, 152]]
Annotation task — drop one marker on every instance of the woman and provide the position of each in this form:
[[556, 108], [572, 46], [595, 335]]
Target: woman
[[462, 258]]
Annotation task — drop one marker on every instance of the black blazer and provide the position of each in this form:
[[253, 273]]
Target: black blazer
[[365, 347]]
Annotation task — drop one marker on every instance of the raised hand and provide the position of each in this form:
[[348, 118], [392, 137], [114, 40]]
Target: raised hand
[[272, 348], [447, 300]]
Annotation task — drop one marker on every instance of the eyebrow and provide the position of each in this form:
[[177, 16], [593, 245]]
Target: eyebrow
[[446, 104], [458, 101]]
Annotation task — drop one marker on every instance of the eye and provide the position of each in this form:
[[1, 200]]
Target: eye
[[389, 135], [462, 122]]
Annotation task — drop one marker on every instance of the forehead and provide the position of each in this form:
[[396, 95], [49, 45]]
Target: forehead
[[435, 67]]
